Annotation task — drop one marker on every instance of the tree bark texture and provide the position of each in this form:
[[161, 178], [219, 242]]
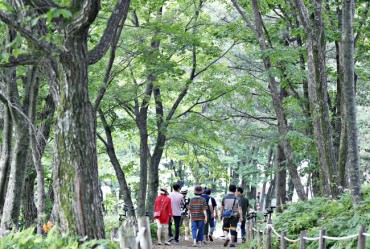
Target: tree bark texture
[[318, 94], [280, 178], [283, 130], [353, 163], [5, 154], [12, 204], [75, 173], [29, 209]]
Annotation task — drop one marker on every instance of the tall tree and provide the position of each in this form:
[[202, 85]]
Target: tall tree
[[352, 164], [275, 94], [318, 93], [78, 201]]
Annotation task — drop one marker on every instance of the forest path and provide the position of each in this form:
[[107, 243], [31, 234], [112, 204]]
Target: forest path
[[218, 242]]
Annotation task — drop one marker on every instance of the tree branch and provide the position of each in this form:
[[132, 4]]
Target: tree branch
[[215, 60], [244, 16], [86, 13], [43, 45], [203, 102], [118, 17], [20, 60], [42, 6]]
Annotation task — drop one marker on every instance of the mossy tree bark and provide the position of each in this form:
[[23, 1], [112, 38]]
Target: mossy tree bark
[[353, 163], [280, 178]]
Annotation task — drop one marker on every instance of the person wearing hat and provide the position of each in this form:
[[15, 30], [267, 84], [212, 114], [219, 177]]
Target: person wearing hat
[[162, 214], [198, 213], [185, 211]]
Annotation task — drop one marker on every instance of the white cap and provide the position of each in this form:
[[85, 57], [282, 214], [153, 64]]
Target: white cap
[[184, 189]]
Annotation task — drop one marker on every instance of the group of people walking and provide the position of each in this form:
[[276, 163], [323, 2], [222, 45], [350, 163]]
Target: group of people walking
[[201, 211]]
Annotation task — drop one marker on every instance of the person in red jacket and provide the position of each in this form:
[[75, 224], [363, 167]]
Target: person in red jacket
[[162, 214]]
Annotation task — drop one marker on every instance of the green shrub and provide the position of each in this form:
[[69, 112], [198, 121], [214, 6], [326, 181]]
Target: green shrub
[[338, 217], [27, 239]]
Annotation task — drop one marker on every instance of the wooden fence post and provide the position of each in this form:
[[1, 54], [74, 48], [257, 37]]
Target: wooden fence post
[[361, 244], [252, 231], [247, 230], [268, 236], [302, 240], [283, 243], [322, 239]]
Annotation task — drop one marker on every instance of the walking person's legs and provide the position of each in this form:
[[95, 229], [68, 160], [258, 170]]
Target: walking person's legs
[[170, 234], [194, 231], [233, 232], [212, 227], [177, 221], [206, 227], [226, 228], [242, 228], [200, 235], [186, 224], [159, 232]]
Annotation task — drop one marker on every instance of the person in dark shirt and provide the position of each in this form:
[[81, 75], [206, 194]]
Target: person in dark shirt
[[244, 203], [231, 213]]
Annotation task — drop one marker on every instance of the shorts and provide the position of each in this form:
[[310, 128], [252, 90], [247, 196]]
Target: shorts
[[231, 223], [159, 225], [184, 221]]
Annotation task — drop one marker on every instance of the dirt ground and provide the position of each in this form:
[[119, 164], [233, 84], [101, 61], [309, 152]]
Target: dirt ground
[[216, 243]]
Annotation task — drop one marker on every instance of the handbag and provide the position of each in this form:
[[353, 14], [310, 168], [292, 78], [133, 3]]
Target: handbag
[[157, 214], [228, 213]]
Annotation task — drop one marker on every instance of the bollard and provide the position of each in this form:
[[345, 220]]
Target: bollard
[[322, 239], [302, 240], [361, 244], [283, 243]]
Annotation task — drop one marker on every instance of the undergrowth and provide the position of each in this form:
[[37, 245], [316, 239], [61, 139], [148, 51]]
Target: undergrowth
[[338, 217], [27, 239]]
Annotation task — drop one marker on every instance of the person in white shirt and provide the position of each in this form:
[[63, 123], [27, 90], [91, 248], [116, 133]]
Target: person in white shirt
[[177, 200]]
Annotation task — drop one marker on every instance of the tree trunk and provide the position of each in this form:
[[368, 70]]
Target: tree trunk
[[5, 154], [123, 186], [29, 209], [318, 95], [283, 130], [19, 160], [353, 163], [280, 178], [75, 175]]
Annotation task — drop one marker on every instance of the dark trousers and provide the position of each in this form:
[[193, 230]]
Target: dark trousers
[[177, 221]]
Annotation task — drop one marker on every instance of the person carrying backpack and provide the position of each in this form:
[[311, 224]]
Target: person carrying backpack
[[231, 213], [185, 211]]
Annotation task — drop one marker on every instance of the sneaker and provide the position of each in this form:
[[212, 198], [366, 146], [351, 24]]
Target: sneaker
[[167, 243], [226, 242], [159, 243], [203, 243], [232, 245], [243, 240], [186, 238], [210, 237], [177, 242], [170, 239], [200, 243], [194, 244]]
